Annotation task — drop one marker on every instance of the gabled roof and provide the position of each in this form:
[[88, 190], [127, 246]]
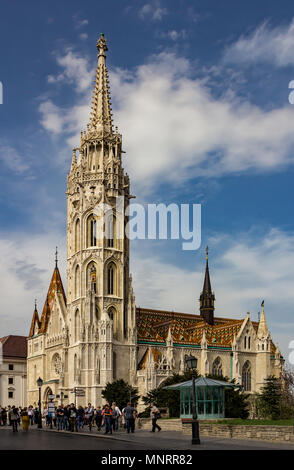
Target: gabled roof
[[14, 346], [56, 287], [202, 382]]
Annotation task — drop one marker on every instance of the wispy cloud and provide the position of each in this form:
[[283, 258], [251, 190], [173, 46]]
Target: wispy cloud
[[265, 44], [12, 159], [153, 10]]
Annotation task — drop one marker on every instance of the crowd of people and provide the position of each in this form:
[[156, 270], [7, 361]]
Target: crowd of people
[[108, 418]]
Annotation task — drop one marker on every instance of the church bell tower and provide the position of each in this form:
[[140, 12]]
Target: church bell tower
[[98, 279]]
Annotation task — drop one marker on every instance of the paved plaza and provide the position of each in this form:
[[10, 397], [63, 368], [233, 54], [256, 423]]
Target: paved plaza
[[47, 439]]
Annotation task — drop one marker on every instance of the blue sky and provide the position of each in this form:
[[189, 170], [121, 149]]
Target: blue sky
[[200, 94]]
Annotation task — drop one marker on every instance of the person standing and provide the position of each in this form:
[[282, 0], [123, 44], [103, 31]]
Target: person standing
[[98, 418], [73, 418], [4, 416], [66, 418], [89, 413], [80, 415], [129, 413], [116, 414], [107, 414], [25, 420], [13, 416], [60, 416], [155, 415]]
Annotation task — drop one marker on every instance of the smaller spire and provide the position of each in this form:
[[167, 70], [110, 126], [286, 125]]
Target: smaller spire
[[262, 328], [207, 297]]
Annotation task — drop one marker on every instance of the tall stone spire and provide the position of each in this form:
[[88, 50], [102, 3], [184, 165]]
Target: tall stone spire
[[101, 116], [262, 328], [207, 297]]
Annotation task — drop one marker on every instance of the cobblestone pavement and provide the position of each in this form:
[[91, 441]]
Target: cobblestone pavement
[[47, 439]]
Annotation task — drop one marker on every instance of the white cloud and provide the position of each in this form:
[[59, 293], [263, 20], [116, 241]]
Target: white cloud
[[264, 45], [153, 10], [176, 35], [83, 36], [52, 119], [76, 71], [12, 159]]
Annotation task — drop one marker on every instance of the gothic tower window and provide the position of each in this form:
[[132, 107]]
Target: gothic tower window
[[111, 279], [217, 368], [77, 235], [246, 376], [110, 231], [91, 277], [77, 282], [91, 231], [77, 326]]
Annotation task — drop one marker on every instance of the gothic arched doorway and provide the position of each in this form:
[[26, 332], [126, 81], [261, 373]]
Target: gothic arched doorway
[[46, 400]]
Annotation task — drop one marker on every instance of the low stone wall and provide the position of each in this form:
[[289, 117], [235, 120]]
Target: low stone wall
[[263, 433], [165, 424]]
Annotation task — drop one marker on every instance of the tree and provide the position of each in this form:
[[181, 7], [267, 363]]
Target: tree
[[121, 393], [270, 399]]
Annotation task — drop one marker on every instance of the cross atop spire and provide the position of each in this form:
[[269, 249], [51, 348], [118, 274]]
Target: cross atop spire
[[56, 258], [101, 116]]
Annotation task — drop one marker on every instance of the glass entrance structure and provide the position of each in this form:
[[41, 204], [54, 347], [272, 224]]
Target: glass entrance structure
[[210, 397]]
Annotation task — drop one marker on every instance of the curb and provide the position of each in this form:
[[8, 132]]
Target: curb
[[98, 436]]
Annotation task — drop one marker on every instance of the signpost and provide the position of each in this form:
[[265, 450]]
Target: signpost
[[78, 392]]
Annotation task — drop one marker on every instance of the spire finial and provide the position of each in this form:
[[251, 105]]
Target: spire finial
[[35, 304], [207, 253], [102, 46], [56, 257]]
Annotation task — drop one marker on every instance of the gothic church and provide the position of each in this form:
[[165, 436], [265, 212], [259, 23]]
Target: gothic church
[[94, 334]]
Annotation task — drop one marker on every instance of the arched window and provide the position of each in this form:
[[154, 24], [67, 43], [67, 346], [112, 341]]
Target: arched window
[[217, 368], [91, 231], [91, 277], [77, 326], [77, 282], [246, 376], [245, 342], [110, 231], [75, 367], [77, 235], [110, 280]]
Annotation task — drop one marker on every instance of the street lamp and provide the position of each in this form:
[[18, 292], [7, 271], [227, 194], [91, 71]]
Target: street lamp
[[40, 383], [191, 363]]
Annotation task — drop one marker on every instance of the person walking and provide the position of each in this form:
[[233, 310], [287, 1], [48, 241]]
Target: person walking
[[25, 420], [13, 416], [4, 416], [107, 414], [155, 415], [129, 413]]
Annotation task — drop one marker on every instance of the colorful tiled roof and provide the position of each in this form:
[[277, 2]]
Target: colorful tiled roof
[[14, 346], [153, 326]]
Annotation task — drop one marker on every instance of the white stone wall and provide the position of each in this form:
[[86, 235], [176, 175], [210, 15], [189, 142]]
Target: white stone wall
[[19, 386]]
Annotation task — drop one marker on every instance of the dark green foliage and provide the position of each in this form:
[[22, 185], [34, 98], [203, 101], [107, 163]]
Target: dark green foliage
[[269, 401], [121, 393], [236, 405]]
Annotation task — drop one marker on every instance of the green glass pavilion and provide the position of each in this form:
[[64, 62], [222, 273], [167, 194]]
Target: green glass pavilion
[[210, 397]]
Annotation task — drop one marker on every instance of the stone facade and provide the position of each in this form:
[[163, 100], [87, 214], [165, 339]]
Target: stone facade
[[94, 334]]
